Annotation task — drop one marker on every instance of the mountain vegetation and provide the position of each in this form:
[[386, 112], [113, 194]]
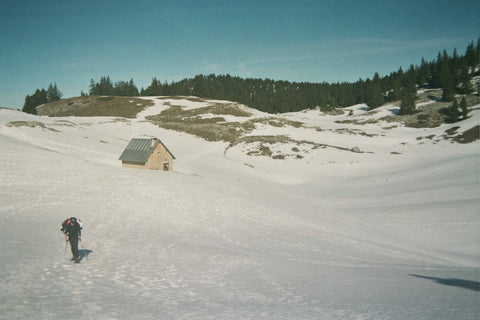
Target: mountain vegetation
[[41, 97], [457, 112], [107, 88], [91, 106], [453, 73]]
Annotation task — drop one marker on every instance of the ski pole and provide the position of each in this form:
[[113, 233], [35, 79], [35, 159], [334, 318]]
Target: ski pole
[[65, 248]]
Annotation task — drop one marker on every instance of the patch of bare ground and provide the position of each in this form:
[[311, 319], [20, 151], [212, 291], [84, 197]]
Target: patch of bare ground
[[354, 132], [428, 116], [200, 122], [277, 122], [209, 128], [63, 123], [468, 136], [30, 124], [334, 112], [452, 134], [209, 123], [431, 110], [358, 122], [263, 145], [430, 137], [193, 99], [94, 106]]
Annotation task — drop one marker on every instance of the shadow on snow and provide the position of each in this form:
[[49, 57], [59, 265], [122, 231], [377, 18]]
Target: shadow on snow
[[466, 284], [83, 253]]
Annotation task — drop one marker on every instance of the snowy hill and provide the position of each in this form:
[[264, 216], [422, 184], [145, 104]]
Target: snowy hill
[[295, 216]]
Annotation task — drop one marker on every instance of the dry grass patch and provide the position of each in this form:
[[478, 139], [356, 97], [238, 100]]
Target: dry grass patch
[[277, 122], [64, 123], [263, 145], [190, 121], [229, 109], [31, 124], [199, 122], [193, 99], [94, 106], [358, 122], [468, 136]]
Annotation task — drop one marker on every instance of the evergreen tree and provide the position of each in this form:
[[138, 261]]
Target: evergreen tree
[[155, 89], [424, 73], [411, 80], [106, 88], [374, 96], [199, 87], [132, 89], [454, 112], [472, 55], [464, 108], [28, 106], [32, 102], [448, 89], [407, 106], [53, 94], [464, 81]]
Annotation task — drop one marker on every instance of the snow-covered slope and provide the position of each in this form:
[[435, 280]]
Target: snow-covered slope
[[390, 231]]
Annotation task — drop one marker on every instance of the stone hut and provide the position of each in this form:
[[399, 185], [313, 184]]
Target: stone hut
[[147, 154]]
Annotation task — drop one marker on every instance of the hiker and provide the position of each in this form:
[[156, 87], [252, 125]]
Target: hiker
[[73, 234]]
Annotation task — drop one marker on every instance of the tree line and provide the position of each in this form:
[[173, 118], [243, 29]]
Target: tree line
[[107, 88], [452, 73], [40, 97]]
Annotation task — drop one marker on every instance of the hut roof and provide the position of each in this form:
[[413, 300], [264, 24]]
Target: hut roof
[[139, 150]]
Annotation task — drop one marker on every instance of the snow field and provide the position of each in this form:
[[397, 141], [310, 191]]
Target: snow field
[[338, 236]]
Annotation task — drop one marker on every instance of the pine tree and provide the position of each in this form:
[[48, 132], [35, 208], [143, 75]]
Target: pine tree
[[374, 96], [132, 89], [411, 79], [471, 55], [423, 74], [53, 94], [464, 108], [28, 106], [397, 91], [407, 106], [448, 88], [32, 102], [106, 86], [454, 112], [91, 90], [199, 86], [464, 80]]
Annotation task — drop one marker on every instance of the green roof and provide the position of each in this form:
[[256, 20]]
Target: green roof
[[139, 150]]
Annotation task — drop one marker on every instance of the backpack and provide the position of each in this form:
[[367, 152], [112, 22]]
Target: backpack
[[67, 221]]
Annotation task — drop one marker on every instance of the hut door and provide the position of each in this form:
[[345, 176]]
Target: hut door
[[165, 166]]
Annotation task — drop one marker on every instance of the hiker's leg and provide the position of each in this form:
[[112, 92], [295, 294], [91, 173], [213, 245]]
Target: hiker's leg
[[74, 244]]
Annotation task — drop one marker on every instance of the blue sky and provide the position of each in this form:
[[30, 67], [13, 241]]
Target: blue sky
[[70, 42]]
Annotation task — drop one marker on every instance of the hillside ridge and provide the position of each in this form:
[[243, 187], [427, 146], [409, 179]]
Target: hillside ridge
[[303, 135]]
